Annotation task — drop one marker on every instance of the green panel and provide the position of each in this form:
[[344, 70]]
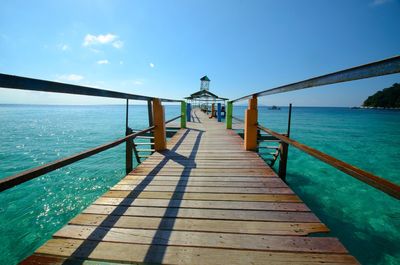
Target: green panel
[[229, 113], [183, 113]]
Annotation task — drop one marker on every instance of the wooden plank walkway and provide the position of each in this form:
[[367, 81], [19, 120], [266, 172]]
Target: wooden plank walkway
[[203, 201]]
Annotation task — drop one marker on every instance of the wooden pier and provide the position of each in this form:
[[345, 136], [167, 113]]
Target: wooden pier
[[204, 200]]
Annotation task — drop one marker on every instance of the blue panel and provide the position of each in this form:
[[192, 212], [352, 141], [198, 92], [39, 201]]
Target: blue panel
[[219, 112], [188, 111]]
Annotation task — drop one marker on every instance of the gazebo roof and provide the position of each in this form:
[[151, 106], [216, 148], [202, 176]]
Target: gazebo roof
[[204, 94]]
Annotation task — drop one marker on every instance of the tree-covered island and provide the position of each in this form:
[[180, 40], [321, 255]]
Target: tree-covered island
[[386, 98]]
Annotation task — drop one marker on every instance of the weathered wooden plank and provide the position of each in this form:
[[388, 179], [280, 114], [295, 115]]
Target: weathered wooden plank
[[188, 182], [212, 214], [53, 260], [160, 166], [269, 179], [262, 206], [192, 173], [106, 251], [194, 166], [190, 162], [260, 190], [203, 239], [204, 196], [184, 224]]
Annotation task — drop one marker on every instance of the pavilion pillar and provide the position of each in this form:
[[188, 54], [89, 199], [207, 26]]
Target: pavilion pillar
[[229, 114], [219, 112], [250, 125], [160, 136]]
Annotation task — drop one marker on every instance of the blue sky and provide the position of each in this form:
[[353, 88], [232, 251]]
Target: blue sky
[[162, 48]]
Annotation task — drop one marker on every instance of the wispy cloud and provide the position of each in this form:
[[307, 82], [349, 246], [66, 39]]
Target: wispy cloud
[[99, 39], [105, 61], [108, 38], [138, 82], [380, 2], [121, 62], [151, 65], [70, 77], [63, 47], [118, 44]]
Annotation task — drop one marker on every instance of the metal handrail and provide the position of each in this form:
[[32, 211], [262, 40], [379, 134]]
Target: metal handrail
[[171, 120], [238, 119], [25, 83], [379, 183], [379, 68]]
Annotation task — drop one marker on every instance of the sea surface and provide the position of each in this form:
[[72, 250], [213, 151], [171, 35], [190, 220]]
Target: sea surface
[[366, 221]]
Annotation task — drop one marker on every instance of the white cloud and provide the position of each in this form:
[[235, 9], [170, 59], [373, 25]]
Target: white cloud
[[108, 38], [63, 47], [103, 61], [138, 82], [380, 2], [70, 77], [99, 39], [121, 62], [151, 65], [118, 44]]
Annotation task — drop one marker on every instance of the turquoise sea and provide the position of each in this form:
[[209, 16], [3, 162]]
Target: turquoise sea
[[366, 221]]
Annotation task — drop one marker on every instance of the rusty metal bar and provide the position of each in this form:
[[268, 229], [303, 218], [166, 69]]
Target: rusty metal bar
[[150, 112], [289, 120], [11, 181], [379, 183], [379, 68], [127, 117], [25, 83], [171, 120], [238, 119]]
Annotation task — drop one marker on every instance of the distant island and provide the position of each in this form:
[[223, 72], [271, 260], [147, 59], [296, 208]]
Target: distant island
[[386, 98]]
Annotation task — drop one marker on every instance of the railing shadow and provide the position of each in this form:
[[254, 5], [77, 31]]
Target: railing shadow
[[158, 247], [155, 254], [195, 118]]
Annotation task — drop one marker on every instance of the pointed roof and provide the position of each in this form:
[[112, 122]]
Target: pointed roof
[[204, 94], [205, 78]]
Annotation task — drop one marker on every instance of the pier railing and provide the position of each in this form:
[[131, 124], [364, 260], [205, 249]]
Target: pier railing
[[156, 116], [252, 127]]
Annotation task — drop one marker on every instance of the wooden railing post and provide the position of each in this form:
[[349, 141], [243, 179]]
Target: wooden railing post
[[183, 114], [128, 152], [285, 149], [229, 114], [250, 125], [283, 161], [160, 141]]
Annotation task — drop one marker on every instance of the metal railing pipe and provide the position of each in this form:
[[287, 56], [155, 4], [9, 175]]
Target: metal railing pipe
[[25, 83], [379, 68]]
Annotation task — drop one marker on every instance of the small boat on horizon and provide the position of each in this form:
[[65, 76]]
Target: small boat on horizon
[[274, 108]]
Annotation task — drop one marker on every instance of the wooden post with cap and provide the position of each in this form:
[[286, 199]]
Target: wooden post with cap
[[160, 140], [250, 125]]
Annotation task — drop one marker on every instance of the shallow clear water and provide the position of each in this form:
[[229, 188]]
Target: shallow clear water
[[365, 220]]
